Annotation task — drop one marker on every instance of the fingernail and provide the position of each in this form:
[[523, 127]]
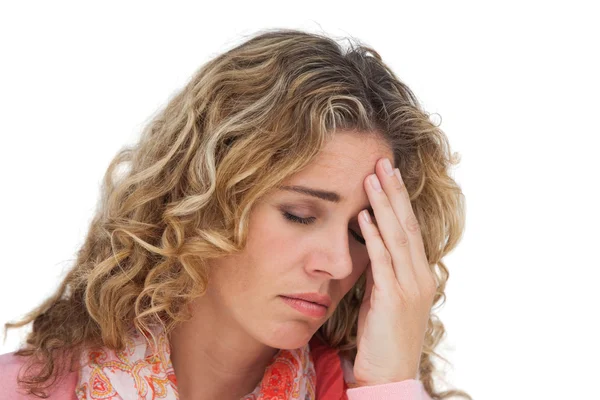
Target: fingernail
[[366, 216], [387, 167], [375, 183]]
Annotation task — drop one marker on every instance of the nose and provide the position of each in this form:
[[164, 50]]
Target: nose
[[333, 256]]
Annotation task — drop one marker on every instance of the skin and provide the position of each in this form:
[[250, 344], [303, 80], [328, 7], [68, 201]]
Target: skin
[[400, 285], [241, 322]]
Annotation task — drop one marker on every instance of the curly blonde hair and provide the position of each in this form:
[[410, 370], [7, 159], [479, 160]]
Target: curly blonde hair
[[246, 120]]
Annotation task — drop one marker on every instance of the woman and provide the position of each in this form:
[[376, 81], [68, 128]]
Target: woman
[[231, 258]]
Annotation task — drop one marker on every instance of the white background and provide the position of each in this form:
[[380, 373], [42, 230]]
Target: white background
[[516, 86]]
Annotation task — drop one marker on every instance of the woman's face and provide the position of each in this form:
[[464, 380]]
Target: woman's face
[[284, 257]]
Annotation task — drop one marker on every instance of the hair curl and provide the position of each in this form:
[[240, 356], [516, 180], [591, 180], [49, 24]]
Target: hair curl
[[247, 119]]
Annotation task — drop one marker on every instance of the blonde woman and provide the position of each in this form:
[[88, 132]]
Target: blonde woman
[[276, 233]]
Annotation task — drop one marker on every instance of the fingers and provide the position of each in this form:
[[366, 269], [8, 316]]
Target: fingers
[[392, 234], [381, 264], [398, 226]]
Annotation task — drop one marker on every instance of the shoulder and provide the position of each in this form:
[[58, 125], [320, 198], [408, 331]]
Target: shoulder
[[10, 367]]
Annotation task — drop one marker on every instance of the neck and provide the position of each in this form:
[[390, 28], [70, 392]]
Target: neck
[[214, 358]]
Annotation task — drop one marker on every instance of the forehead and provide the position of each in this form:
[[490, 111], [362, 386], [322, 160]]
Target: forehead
[[354, 151], [344, 163]]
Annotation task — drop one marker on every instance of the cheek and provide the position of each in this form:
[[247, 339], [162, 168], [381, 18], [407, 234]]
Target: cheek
[[268, 231], [271, 239], [270, 249]]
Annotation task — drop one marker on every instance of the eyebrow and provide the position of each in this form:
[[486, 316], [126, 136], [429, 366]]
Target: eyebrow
[[332, 197]]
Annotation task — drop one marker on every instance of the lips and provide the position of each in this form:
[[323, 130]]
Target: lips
[[308, 308], [321, 299]]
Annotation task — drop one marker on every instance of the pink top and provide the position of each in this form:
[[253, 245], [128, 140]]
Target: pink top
[[64, 389]]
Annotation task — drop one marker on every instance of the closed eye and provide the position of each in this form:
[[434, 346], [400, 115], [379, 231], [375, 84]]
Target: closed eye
[[310, 220]]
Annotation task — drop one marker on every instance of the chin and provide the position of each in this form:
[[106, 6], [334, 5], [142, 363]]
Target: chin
[[289, 335]]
